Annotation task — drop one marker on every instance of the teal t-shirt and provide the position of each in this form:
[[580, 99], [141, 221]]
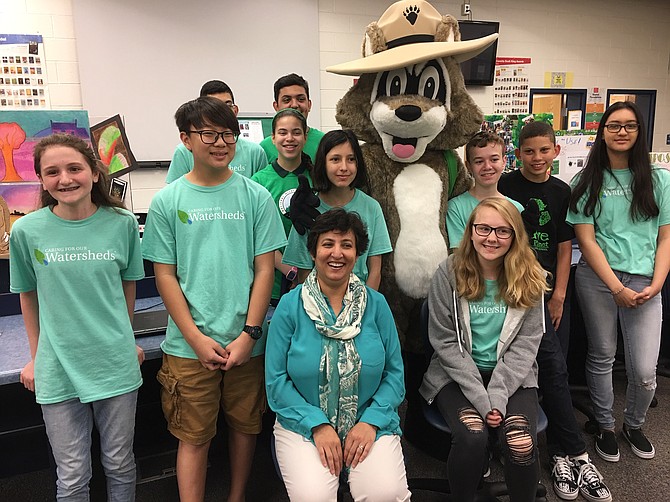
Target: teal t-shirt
[[249, 159], [629, 245], [311, 145], [458, 212], [282, 185], [212, 234], [487, 317], [86, 347], [297, 255]]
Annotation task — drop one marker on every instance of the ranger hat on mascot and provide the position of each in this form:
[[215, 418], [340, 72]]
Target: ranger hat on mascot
[[410, 32]]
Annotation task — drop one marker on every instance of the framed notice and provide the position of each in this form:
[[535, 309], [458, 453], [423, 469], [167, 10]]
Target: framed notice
[[23, 76], [510, 85]]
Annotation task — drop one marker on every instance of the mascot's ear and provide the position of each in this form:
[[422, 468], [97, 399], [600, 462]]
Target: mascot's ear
[[447, 30], [374, 40]]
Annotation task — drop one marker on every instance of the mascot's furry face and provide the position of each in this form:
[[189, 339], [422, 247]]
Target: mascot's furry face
[[391, 113], [410, 110]]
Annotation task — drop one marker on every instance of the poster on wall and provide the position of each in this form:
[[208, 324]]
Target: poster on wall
[[511, 90], [595, 107], [575, 148], [251, 129], [20, 131], [660, 159], [23, 76]]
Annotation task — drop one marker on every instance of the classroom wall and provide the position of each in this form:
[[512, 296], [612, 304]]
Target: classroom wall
[[606, 43]]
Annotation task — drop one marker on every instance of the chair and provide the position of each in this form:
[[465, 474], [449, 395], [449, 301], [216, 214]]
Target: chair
[[488, 491]]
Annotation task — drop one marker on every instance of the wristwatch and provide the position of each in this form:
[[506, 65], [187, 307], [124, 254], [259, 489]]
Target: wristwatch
[[255, 332], [292, 274]]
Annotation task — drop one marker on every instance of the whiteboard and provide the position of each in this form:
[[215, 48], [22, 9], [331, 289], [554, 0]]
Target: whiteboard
[[142, 59]]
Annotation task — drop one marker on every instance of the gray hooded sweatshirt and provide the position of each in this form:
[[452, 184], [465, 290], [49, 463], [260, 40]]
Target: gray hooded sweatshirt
[[452, 361]]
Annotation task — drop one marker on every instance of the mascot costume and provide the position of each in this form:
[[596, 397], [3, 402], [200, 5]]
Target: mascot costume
[[411, 108]]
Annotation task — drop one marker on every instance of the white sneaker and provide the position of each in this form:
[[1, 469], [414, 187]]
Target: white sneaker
[[564, 478], [590, 482]]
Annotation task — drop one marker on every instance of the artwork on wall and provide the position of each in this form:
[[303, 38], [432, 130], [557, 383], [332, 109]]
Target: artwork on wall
[[20, 131], [16, 199], [111, 145]]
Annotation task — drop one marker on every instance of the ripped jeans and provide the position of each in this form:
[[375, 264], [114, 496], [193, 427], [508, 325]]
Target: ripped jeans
[[470, 438], [641, 333]]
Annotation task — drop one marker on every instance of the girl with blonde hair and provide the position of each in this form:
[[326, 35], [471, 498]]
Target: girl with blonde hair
[[485, 325]]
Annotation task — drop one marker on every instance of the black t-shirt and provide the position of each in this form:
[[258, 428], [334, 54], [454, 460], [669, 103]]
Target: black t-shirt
[[553, 197]]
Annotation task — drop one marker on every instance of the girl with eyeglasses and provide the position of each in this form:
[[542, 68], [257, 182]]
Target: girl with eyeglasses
[[620, 210], [485, 326]]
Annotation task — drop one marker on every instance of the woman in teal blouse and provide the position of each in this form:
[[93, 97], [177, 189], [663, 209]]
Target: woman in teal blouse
[[334, 375]]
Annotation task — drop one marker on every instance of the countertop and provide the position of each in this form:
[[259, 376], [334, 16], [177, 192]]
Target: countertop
[[15, 352]]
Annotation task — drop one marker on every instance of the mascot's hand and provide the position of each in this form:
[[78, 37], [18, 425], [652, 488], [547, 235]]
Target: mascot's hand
[[304, 203]]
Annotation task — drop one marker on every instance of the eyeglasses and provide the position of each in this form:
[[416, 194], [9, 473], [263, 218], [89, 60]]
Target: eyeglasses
[[211, 137], [615, 128], [485, 230]]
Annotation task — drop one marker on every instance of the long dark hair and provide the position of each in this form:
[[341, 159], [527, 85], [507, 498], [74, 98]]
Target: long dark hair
[[643, 206], [329, 141], [100, 190]]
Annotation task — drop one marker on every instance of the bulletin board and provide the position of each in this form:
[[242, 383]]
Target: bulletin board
[[142, 60]]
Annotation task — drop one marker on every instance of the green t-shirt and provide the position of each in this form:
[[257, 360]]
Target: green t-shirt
[[212, 234], [487, 317], [86, 346], [458, 213], [282, 185], [297, 255], [249, 159], [629, 245], [311, 145]]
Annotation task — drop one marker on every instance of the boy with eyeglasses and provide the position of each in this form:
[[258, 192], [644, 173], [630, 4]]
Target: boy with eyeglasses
[[249, 156], [546, 200], [292, 91], [212, 235]]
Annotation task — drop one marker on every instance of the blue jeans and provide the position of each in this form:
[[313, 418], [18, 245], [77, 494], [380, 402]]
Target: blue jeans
[[69, 425], [564, 436], [641, 332]]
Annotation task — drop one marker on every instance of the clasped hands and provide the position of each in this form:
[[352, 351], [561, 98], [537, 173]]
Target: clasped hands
[[214, 357], [629, 298], [357, 445]]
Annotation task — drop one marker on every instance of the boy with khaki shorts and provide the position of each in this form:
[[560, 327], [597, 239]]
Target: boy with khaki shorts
[[212, 235]]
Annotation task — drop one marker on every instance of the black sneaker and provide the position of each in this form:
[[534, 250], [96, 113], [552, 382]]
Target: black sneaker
[[564, 478], [590, 482], [639, 443], [606, 446]]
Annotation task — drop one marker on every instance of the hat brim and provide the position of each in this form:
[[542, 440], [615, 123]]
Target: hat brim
[[405, 55]]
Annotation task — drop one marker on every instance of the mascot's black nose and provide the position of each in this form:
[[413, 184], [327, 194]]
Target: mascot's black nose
[[408, 113]]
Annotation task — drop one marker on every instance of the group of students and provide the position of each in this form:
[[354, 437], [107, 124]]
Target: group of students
[[224, 249]]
